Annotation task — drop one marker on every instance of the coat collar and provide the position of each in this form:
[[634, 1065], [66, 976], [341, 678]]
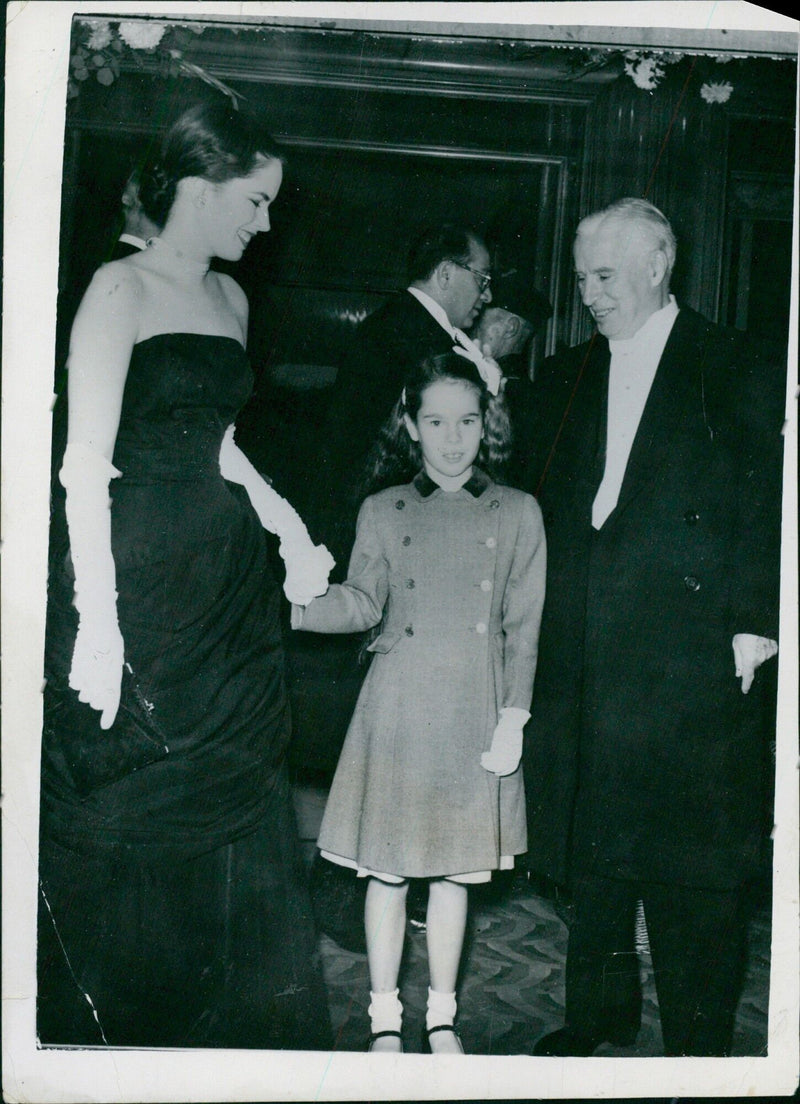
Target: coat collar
[[476, 484]]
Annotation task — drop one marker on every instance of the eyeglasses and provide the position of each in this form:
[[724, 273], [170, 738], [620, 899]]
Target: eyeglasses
[[482, 279]]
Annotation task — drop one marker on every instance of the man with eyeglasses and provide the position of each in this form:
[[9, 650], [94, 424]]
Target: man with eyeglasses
[[449, 281]]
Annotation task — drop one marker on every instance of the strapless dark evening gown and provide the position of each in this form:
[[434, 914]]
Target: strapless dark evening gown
[[182, 836]]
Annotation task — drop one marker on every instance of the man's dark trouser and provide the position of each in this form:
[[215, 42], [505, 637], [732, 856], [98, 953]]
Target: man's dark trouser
[[697, 943]]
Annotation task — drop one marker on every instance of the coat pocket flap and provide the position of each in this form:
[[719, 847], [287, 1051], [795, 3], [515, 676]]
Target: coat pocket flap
[[384, 643]]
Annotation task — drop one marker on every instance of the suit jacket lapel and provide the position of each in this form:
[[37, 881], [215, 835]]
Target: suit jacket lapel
[[575, 440], [590, 411], [669, 395]]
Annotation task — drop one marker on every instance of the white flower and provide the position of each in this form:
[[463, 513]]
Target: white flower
[[100, 36], [645, 72], [141, 35], [716, 91]]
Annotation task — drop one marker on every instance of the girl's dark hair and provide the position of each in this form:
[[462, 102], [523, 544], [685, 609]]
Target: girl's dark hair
[[214, 141], [395, 458]]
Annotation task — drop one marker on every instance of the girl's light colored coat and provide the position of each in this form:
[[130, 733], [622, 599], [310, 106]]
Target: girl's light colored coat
[[457, 579]]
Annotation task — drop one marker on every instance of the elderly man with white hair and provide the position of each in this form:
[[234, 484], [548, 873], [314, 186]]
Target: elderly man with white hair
[[657, 466]]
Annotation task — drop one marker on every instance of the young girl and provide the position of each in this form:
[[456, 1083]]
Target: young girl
[[453, 567]]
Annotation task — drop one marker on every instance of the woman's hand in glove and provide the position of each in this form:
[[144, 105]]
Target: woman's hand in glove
[[307, 569], [96, 671], [307, 564]]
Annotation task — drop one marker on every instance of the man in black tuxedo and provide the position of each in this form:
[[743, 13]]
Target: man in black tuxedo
[[449, 283], [657, 466], [137, 227]]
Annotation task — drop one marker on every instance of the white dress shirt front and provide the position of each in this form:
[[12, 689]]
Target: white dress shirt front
[[634, 363]]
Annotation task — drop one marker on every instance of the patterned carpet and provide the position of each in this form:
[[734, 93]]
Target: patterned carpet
[[512, 980]]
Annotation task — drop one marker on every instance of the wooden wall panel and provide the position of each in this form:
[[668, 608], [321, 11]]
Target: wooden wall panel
[[513, 135], [670, 148]]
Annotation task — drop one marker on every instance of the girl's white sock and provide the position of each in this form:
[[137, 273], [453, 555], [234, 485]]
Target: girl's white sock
[[441, 1009], [385, 1011]]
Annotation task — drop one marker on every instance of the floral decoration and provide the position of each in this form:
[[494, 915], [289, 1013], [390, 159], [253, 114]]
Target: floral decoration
[[101, 46], [716, 91], [141, 36], [645, 70], [649, 68]]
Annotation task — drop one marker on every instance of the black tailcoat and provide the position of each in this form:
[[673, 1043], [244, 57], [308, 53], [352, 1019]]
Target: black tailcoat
[[644, 760]]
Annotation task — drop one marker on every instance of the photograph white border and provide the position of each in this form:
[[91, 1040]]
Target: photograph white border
[[37, 58]]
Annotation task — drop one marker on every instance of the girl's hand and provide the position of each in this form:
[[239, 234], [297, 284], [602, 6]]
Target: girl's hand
[[96, 671], [504, 755]]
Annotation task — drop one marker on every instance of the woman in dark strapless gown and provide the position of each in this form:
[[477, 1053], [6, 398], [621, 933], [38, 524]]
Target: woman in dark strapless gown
[[173, 910]]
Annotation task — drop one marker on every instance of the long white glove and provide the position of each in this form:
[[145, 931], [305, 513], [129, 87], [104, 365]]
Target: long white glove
[[506, 751], [308, 565], [97, 659], [488, 369]]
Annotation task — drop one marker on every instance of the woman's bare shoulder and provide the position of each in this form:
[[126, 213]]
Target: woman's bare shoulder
[[123, 277], [114, 296], [233, 293]]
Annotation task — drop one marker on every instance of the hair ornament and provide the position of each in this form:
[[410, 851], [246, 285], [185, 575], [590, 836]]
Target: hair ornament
[[488, 368]]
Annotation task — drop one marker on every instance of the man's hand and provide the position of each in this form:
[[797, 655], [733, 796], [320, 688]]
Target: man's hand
[[749, 652]]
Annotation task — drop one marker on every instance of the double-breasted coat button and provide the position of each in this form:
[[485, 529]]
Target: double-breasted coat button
[[400, 504], [494, 504], [691, 517], [490, 542], [410, 584], [480, 628], [409, 630], [406, 541], [691, 583], [486, 585]]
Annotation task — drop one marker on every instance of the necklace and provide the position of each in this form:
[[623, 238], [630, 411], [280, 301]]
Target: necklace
[[169, 252]]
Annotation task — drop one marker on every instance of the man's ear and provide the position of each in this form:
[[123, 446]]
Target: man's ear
[[513, 325], [658, 267], [411, 429], [443, 272]]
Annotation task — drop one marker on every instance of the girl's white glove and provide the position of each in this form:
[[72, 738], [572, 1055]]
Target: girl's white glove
[[96, 671], [308, 565], [504, 755]]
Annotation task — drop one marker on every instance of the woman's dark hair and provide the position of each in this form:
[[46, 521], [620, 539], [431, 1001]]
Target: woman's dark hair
[[395, 458], [214, 141]]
